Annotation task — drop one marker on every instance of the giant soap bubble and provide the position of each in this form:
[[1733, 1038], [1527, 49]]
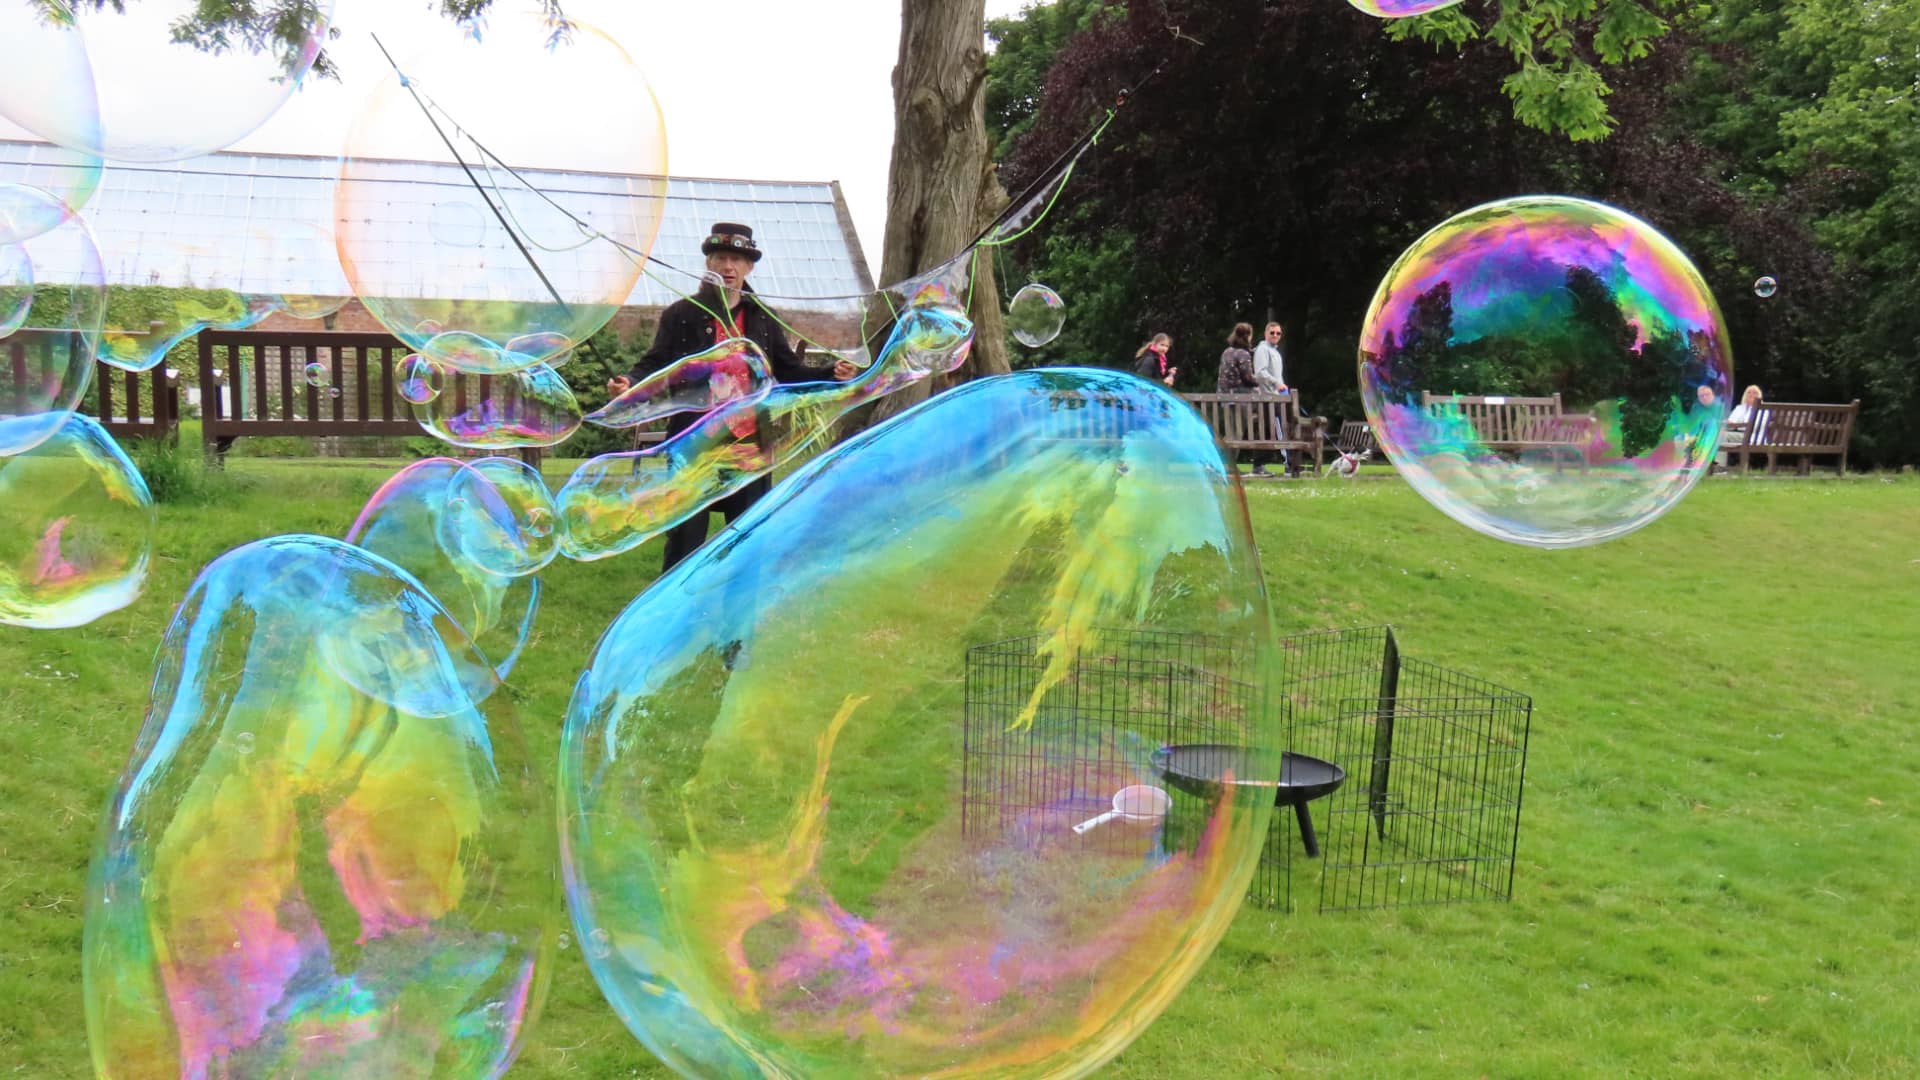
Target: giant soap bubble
[[323, 858], [1548, 371], [152, 82], [838, 791], [517, 266], [76, 527]]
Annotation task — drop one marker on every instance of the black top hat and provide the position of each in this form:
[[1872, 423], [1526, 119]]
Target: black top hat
[[728, 236]]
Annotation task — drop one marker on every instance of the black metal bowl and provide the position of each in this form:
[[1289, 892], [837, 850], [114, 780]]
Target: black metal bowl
[[1201, 769]]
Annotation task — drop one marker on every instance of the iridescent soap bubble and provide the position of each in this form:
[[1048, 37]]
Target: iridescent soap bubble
[[46, 359], [317, 375], [1548, 371], [523, 271], [1036, 315], [530, 407], [152, 82], [1400, 9], [1765, 287], [499, 516], [313, 871], [735, 370], [797, 845], [420, 379], [76, 527], [406, 523]]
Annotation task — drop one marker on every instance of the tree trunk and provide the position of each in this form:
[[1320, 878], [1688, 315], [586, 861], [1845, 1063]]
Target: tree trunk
[[941, 188]]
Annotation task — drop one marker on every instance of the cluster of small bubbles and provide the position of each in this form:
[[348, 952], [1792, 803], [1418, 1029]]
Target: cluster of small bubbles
[[1765, 287], [1545, 370], [420, 379], [1036, 315]]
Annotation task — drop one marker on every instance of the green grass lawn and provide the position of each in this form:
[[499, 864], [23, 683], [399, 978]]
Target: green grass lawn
[[1718, 854]]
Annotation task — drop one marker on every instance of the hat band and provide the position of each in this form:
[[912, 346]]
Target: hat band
[[732, 241]]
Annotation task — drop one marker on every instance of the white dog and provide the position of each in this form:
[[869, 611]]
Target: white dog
[[1348, 465]]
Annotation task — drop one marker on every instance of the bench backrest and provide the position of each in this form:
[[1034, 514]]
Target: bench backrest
[[1248, 419], [1356, 436], [1785, 425], [1498, 418]]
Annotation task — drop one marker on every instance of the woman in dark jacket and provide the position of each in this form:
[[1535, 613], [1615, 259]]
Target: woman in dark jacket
[[1236, 363]]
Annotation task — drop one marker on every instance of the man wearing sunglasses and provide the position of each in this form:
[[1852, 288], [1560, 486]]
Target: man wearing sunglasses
[[724, 307], [1268, 372]]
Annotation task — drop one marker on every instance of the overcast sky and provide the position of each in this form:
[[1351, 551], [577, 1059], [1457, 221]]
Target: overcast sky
[[804, 92]]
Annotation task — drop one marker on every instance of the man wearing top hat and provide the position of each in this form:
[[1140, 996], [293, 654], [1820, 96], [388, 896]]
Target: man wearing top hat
[[722, 308]]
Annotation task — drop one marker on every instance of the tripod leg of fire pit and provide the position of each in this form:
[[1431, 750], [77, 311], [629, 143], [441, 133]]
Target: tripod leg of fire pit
[[1306, 830]]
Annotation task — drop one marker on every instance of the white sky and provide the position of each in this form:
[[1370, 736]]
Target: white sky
[[813, 79]]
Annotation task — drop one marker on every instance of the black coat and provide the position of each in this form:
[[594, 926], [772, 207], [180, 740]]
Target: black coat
[[686, 328]]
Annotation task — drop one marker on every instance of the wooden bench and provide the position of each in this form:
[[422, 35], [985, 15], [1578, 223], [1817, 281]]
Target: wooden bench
[[1263, 422], [253, 383], [128, 404], [1790, 429], [1507, 424]]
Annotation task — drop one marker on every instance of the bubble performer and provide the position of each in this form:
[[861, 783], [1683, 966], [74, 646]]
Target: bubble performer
[[724, 308]]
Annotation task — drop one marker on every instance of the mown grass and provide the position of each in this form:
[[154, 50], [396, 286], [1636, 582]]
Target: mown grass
[[1717, 856]]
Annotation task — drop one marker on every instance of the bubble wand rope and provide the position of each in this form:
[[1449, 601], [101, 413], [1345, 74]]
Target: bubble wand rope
[[472, 179]]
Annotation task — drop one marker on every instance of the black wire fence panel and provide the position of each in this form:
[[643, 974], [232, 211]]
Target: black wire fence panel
[[1435, 760]]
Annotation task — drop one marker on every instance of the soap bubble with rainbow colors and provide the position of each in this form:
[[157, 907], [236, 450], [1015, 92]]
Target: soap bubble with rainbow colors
[[330, 853], [802, 837], [1401, 9], [1546, 370]]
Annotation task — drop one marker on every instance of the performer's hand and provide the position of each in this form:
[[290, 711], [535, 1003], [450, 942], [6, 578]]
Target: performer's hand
[[618, 385], [844, 370]]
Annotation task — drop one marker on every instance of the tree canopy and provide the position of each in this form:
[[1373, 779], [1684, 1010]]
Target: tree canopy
[[1284, 155]]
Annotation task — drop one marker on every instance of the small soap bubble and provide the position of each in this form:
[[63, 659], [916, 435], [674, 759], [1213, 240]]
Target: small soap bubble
[[600, 943], [317, 375], [420, 379], [566, 942], [1765, 287], [540, 522], [243, 742], [1036, 315]]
